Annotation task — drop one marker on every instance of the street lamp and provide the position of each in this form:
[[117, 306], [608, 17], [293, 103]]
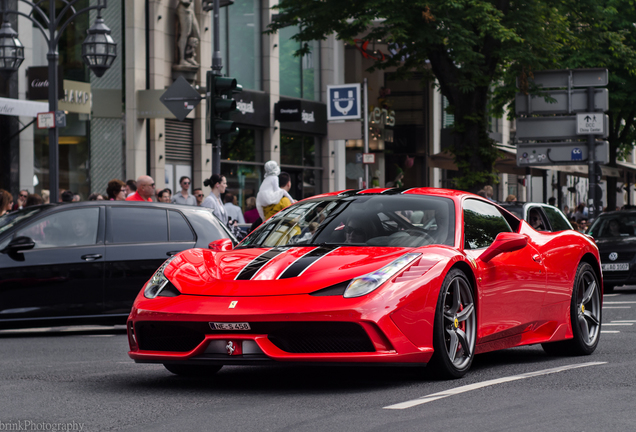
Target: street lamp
[[98, 51]]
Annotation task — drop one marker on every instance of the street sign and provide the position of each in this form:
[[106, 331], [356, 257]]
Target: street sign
[[343, 102], [590, 123], [554, 128], [368, 158], [594, 77], [527, 104], [560, 153], [46, 120], [180, 98]]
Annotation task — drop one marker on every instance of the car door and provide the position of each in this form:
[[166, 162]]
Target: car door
[[62, 276], [138, 240], [512, 284]]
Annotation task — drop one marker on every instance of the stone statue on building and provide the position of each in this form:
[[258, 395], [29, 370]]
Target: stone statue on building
[[189, 35]]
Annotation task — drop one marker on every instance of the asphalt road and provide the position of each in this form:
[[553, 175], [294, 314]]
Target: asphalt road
[[52, 378]]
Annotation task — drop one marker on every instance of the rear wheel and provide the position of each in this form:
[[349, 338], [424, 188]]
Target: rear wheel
[[585, 316], [192, 370], [454, 331]]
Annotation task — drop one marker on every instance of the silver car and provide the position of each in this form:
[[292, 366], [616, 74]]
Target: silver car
[[542, 217]]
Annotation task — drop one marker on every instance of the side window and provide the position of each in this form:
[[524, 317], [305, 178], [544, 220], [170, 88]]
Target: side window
[[138, 225], [482, 223], [557, 219], [76, 227], [179, 228]]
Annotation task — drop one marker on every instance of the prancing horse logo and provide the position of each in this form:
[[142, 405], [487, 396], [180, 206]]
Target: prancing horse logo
[[230, 348]]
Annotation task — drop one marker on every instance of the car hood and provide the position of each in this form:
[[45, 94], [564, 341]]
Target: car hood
[[615, 243], [280, 271]]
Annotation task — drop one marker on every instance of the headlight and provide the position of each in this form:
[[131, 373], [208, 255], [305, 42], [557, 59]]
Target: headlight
[[366, 283], [158, 281]]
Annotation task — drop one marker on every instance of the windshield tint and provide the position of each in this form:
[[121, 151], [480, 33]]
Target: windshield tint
[[11, 219], [616, 225], [364, 220]]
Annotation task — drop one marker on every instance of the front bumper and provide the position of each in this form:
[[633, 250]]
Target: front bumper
[[297, 328]]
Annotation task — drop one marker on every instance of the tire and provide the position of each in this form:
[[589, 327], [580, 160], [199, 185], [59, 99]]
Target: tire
[[192, 370], [455, 328], [585, 316]]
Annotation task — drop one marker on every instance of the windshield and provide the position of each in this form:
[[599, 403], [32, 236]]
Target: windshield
[[615, 225], [363, 220], [11, 219]]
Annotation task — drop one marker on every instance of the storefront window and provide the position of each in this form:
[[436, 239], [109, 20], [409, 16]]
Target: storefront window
[[243, 181], [74, 157], [245, 146], [299, 157], [299, 76], [241, 57]]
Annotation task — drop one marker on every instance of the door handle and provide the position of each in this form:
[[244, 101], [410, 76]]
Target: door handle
[[172, 253], [91, 257], [536, 258]]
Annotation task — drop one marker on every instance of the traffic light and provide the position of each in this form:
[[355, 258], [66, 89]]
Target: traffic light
[[220, 105]]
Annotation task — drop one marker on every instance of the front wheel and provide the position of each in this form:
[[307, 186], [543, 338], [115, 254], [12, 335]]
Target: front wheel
[[454, 331], [192, 370], [585, 316]]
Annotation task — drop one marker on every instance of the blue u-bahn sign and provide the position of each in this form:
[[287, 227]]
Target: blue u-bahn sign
[[343, 102]]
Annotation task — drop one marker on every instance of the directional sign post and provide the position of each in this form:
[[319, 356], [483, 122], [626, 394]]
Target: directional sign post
[[344, 102], [180, 98], [584, 118]]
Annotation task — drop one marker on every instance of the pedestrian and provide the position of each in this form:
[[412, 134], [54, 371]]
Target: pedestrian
[[552, 201], [76, 197], [67, 196], [251, 214], [131, 187], [218, 184], [270, 194], [46, 196], [489, 192], [6, 202], [95, 197], [34, 199], [581, 212], [511, 198], [164, 196], [145, 189], [116, 190], [20, 201], [233, 210], [183, 196], [198, 194]]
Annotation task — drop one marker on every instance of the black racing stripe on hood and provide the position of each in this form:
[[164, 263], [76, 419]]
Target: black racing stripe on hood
[[257, 263], [302, 263]]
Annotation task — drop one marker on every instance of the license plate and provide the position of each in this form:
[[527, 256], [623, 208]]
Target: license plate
[[230, 326], [615, 267]]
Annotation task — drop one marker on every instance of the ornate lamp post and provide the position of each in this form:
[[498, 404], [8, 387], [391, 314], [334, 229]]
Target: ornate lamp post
[[98, 51]]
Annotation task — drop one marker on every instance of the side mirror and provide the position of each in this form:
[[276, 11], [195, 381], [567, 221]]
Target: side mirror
[[221, 245], [19, 244], [505, 242]]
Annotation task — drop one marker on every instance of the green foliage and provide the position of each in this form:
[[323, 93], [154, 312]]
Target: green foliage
[[471, 47]]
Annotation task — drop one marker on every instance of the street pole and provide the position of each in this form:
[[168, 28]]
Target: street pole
[[366, 131], [54, 133], [217, 65], [592, 199]]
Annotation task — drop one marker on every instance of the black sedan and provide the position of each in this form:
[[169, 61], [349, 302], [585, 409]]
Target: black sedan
[[615, 236], [79, 263]]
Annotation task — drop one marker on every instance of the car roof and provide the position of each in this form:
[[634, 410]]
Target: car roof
[[120, 203]]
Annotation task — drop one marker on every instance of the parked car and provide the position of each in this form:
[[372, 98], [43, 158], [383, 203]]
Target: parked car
[[550, 217], [382, 276], [615, 236], [84, 262]]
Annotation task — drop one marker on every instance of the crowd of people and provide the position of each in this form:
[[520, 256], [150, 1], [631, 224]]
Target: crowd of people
[[272, 196]]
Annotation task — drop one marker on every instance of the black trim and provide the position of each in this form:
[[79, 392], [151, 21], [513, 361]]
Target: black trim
[[301, 264], [257, 263], [333, 290]]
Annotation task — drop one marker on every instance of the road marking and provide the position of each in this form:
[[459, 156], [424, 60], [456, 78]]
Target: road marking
[[624, 321], [470, 387], [620, 302], [610, 295], [617, 307], [617, 324], [610, 331]]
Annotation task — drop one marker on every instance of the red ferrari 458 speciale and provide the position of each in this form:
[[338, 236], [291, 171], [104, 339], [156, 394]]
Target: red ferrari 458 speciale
[[385, 276]]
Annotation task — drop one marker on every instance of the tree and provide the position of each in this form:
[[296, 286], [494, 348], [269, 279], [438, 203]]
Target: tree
[[469, 46]]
